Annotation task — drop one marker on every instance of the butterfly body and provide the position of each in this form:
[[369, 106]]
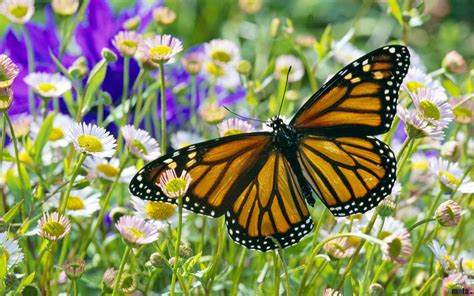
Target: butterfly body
[[264, 181]]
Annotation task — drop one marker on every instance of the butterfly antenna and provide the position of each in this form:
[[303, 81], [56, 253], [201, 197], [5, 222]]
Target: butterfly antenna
[[243, 117], [284, 92]]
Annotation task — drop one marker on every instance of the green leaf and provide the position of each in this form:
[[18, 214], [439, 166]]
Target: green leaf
[[8, 217], [25, 282], [96, 77], [396, 11], [451, 87], [348, 285], [43, 135], [3, 263]]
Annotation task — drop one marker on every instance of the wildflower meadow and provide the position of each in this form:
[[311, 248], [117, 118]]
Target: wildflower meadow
[[106, 187]]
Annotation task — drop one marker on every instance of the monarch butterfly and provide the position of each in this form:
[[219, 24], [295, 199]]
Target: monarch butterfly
[[263, 181]]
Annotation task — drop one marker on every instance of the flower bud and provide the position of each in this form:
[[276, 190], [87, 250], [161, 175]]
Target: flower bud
[[156, 260], [451, 150], [448, 213], [172, 261], [185, 251], [132, 24], [65, 7], [292, 95], [163, 16], [128, 283], [244, 67], [274, 27], [192, 63], [250, 6], [108, 55], [454, 63], [6, 99], [212, 113], [305, 41], [74, 268], [79, 68], [109, 277], [376, 289], [386, 207]]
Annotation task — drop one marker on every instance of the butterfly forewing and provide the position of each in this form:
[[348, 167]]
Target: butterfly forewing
[[350, 174], [360, 99], [219, 170], [270, 208]]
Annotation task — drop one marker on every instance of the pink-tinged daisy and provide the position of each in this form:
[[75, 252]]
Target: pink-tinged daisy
[[91, 139], [435, 110], [397, 247], [137, 231], [455, 282], [417, 79], [6, 99], [160, 213], [448, 214], [450, 175], [416, 126], [161, 48], [127, 42], [283, 64], [8, 71], [172, 185], [233, 126], [53, 226], [140, 143]]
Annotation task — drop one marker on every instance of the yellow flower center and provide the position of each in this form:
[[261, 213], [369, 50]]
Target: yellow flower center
[[19, 10], [25, 158], [185, 144], [137, 233], [215, 69], [129, 43], [384, 234], [46, 87], [175, 185], [468, 264], [56, 134], [283, 71], [451, 264], [430, 110], [107, 169], [75, 203], [4, 98], [138, 146], [414, 86], [395, 248], [160, 50], [90, 143], [221, 56], [420, 165], [4, 251], [449, 177], [159, 210], [232, 131], [53, 228]]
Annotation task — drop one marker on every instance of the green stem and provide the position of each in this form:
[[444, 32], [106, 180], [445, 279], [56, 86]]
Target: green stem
[[126, 66], [285, 271], [379, 271], [71, 183], [421, 222], [139, 94], [178, 243], [70, 32], [238, 272], [18, 166], [431, 280], [84, 247], [2, 143], [421, 239], [276, 275], [404, 156], [74, 288], [126, 253], [31, 68], [163, 109]]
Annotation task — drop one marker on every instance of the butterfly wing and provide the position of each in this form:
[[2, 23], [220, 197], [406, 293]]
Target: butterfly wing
[[349, 174], [219, 170], [271, 207], [360, 99]]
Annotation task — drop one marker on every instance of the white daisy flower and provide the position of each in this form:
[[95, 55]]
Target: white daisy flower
[[233, 126], [415, 60], [434, 109], [108, 169], [183, 139], [140, 143], [65, 7], [212, 113], [21, 125], [48, 85], [91, 139], [81, 203], [174, 186], [224, 76], [222, 52], [11, 248], [8, 71], [417, 127], [344, 52], [161, 48], [127, 42], [448, 264], [137, 231], [160, 213], [467, 263], [388, 227], [18, 11], [283, 64], [53, 226], [450, 174], [57, 138], [416, 79]]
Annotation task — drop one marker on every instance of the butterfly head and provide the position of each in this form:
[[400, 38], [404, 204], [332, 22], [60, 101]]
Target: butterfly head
[[284, 135]]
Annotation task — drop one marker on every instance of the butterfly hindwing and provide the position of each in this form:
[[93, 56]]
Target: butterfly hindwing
[[271, 207], [218, 168], [350, 174], [360, 99]]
